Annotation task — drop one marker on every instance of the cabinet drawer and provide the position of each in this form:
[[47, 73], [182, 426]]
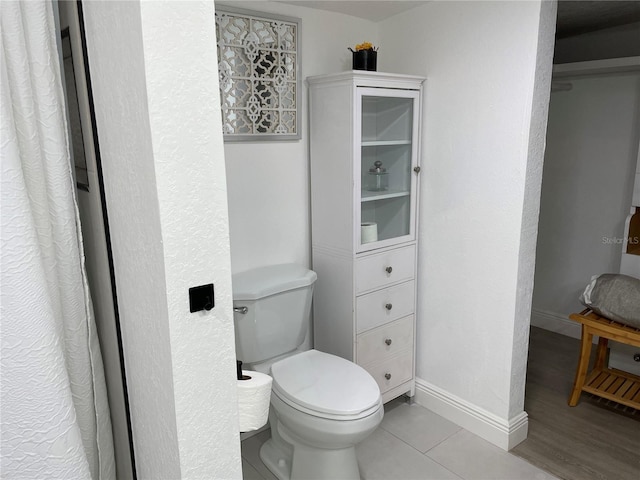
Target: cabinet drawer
[[384, 306], [398, 369], [386, 268], [386, 341]]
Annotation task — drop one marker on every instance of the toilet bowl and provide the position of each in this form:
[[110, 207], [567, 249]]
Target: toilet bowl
[[322, 406]]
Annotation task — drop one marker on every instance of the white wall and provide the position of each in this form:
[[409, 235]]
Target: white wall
[[477, 206], [268, 182], [620, 41], [479, 104], [592, 148], [155, 86], [531, 207]]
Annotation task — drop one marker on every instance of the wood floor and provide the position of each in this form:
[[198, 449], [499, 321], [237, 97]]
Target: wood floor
[[597, 439]]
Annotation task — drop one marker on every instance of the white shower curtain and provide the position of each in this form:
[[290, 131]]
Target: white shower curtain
[[54, 414]]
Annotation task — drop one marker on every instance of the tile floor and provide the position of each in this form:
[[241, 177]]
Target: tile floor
[[415, 443]]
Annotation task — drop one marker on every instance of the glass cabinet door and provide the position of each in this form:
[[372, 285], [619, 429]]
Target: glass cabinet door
[[388, 151]]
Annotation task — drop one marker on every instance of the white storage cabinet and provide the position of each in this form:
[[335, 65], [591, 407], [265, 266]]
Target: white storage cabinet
[[365, 152]]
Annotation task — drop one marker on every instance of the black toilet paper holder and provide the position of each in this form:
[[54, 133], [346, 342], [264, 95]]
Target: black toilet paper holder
[[239, 373]]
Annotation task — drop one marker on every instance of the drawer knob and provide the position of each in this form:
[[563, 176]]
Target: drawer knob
[[389, 269], [387, 376], [388, 306], [388, 341]]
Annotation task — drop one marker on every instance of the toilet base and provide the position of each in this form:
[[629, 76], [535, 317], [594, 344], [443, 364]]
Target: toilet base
[[310, 463], [277, 461], [304, 446]]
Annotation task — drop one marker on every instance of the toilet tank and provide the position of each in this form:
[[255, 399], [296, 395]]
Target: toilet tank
[[277, 299]]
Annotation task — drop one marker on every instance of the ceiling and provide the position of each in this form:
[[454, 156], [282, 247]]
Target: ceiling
[[574, 16], [374, 10]]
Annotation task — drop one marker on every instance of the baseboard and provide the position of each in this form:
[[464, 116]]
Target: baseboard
[[502, 433], [555, 322]]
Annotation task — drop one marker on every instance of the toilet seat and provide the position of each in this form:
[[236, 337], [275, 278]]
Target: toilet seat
[[326, 386]]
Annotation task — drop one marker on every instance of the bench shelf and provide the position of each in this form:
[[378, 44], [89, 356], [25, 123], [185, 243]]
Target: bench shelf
[[609, 383]]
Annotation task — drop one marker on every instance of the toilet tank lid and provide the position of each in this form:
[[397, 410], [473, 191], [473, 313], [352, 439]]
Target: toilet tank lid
[[265, 281]]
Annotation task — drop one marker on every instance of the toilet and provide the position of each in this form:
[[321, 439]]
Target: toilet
[[322, 405]]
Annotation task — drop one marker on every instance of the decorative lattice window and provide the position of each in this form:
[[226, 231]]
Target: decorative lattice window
[[259, 72]]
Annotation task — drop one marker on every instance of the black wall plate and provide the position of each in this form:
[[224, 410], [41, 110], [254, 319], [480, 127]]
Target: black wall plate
[[201, 298]]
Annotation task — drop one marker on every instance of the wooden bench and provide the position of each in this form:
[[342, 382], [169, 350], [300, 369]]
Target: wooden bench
[[609, 383]]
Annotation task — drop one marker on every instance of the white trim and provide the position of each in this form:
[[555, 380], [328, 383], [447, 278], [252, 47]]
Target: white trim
[[505, 434], [555, 322], [363, 78]]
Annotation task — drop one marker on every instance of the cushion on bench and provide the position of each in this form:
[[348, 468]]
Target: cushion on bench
[[614, 296]]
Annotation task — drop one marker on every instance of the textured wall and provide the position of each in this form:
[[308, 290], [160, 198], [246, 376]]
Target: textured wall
[[539, 113], [184, 112], [96, 257], [116, 61], [155, 85], [479, 59]]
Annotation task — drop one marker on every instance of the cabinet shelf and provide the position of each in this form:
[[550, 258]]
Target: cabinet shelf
[[368, 196], [383, 143]]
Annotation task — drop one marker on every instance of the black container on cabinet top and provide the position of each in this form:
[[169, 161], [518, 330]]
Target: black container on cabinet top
[[365, 60]]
